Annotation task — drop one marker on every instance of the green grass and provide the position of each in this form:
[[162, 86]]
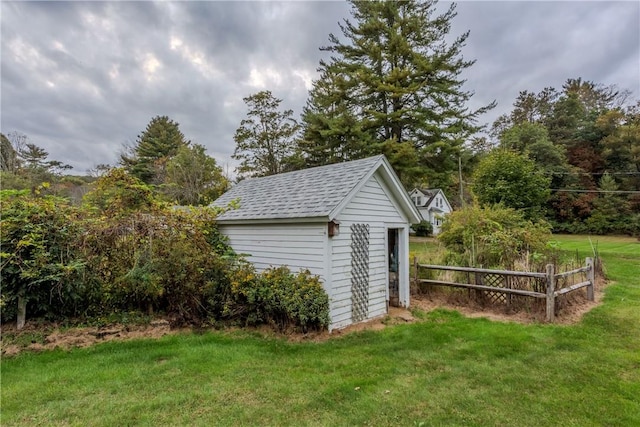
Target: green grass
[[444, 370]]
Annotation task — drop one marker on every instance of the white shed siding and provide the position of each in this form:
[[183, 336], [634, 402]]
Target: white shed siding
[[298, 246], [370, 206]]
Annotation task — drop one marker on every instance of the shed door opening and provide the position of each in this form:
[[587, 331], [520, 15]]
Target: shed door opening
[[393, 237]]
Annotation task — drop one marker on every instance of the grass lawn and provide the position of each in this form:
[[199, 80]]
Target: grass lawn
[[444, 370]]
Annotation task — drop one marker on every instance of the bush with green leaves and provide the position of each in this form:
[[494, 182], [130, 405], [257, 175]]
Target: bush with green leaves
[[40, 266], [512, 179], [493, 236], [423, 229], [278, 297], [168, 261], [122, 254]]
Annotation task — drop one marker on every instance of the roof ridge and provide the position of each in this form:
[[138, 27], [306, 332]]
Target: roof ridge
[[311, 192]]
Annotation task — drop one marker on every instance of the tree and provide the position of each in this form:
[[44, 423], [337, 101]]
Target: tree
[[511, 179], [119, 194], [153, 148], [265, 139], [332, 130], [621, 144], [38, 258], [575, 135], [400, 78], [193, 178], [26, 165], [609, 210], [9, 161]]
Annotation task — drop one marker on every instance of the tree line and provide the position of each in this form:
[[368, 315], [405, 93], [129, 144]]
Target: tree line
[[392, 84]]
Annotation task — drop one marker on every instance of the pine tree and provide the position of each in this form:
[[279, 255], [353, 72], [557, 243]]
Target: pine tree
[[400, 79], [159, 142], [333, 132]]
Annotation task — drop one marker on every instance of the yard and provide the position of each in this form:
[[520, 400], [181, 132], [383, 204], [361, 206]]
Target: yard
[[446, 369]]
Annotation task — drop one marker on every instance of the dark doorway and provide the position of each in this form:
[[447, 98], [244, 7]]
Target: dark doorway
[[393, 237]]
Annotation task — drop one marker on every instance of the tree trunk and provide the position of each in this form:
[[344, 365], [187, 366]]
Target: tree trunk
[[22, 311]]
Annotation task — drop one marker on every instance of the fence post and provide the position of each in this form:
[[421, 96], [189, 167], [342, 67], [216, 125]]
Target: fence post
[[551, 288], [591, 277]]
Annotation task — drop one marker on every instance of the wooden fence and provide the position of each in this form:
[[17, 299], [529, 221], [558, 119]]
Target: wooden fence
[[500, 285]]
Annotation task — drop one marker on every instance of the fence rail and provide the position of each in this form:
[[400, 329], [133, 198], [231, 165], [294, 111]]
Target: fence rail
[[498, 284]]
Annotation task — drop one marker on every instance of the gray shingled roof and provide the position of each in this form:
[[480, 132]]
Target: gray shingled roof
[[307, 193]]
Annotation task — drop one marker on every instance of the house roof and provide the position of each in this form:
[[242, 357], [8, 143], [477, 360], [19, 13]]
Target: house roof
[[309, 193], [430, 193]]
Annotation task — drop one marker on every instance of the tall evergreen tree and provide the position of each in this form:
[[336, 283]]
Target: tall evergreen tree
[[265, 139], [400, 79], [159, 142], [333, 132]]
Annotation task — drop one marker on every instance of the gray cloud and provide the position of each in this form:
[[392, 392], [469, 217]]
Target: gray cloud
[[82, 78]]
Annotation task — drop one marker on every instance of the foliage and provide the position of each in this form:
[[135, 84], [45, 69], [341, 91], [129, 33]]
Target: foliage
[[119, 193], [506, 177], [26, 165], [576, 135], [423, 229], [169, 261], [153, 148], [332, 131], [394, 80], [492, 236], [125, 252], [611, 212], [39, 262], [193, 177], [264, 140], [278, 297]]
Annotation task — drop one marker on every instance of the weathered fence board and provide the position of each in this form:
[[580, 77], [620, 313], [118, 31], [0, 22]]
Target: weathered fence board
[[483, 288], [551, 282]]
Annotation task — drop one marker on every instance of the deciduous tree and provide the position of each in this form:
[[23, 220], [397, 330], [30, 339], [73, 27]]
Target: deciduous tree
[[265, 139], [511, 179], [193, 177]]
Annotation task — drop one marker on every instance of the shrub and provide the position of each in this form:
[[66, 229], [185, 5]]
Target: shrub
[[493, 237], [170, 261], [278, 297], [423, 229], [40, 267]]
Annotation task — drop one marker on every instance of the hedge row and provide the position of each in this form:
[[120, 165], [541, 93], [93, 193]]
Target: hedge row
[[93, 261]]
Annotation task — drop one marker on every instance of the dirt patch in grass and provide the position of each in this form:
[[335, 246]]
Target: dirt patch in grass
[[39, 337]]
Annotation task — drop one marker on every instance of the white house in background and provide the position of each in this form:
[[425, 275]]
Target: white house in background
[[347, 223], [432, 204]]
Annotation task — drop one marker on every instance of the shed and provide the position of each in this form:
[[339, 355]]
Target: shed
[[347, 223]]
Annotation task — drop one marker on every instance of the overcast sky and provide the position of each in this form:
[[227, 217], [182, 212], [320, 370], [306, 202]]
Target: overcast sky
[[80, 79]]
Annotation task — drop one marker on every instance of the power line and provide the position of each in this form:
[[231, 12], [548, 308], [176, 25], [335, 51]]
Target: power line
[[591, 173], [571, 190], [579, 190]]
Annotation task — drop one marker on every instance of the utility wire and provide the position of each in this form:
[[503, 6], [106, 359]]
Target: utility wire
[[570, 190], [591, 173]]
